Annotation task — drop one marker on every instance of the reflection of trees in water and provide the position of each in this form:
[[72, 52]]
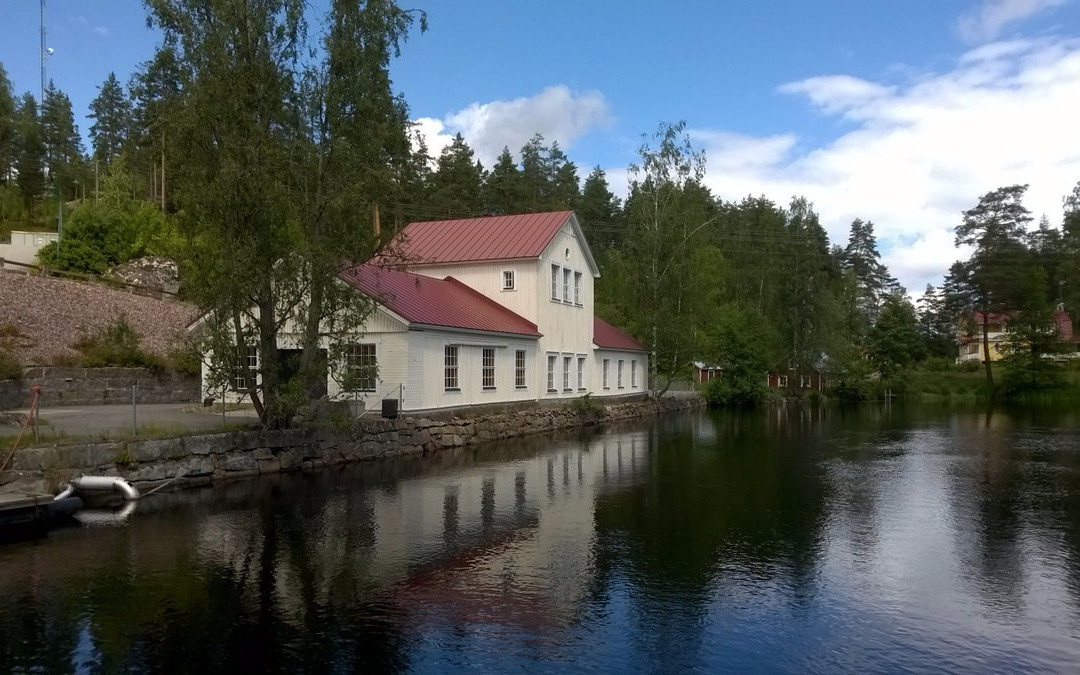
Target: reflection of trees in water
[[709, 516]]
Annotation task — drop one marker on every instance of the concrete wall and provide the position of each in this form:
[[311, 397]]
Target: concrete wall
[[98, 386], [24, 247], [201, 459]]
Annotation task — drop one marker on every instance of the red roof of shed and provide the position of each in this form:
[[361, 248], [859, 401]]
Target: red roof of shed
[[436, 302], [490, 238], [607, 336]]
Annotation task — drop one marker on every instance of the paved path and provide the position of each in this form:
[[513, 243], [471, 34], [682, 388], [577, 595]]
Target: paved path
[[97, 419]]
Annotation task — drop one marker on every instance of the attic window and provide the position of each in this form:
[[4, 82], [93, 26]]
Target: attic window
[[508, 280]]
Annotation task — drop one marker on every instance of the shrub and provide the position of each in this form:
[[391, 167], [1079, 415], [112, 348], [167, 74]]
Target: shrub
[[10, 366], [116, 345], [586, 405], [733, 392]]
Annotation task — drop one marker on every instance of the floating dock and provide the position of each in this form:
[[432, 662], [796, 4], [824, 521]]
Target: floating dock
[[26, 511]]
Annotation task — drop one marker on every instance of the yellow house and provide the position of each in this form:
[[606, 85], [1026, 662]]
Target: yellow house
[[969, 336]]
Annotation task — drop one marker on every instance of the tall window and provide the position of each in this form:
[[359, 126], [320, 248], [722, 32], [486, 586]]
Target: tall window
[[551, 372], [577, 288], [581, 372], [566, 372], [508, 280], [450, 366], [607, 373], [249, 363], [519, 369], [618, 374], [566, 285], [554, 282], [487, 368], [633, 373], [360, 366]]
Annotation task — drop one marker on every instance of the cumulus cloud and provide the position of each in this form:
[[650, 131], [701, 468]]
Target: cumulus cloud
[[989, 18], [556, 112], [921, 151]]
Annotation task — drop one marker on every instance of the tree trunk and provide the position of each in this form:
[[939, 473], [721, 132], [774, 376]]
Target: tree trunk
[[986, 350]]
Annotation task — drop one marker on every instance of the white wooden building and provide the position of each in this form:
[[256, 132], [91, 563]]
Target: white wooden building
[[491, 310]]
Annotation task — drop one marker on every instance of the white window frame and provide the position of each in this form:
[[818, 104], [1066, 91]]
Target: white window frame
[[555, 282], [566, 285], [250, 359], [619, 374], [581, 372], [781, 381], [487, 368], [519, 369], [551, 358], [509, 280], [806, 381], [566, 361], [357, 358], [577, 288], [607, 374], [633, 373], [450, 368]]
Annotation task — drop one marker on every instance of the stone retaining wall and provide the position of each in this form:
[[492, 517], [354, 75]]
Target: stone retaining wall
[[205, 458], [98, 386]]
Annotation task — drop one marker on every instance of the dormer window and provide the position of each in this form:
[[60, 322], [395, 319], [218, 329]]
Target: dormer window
[[508, 280]]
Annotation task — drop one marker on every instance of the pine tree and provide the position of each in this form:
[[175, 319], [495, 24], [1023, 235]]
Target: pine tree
[[63, 145], [599, 211], [8, 127], [564, 190], [872, 280], [111, 112], [1001, 274], [457, 182], [30, 149], [502, 188], [534, 186]]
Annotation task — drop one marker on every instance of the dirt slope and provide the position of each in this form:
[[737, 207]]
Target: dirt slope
[[53, 313]]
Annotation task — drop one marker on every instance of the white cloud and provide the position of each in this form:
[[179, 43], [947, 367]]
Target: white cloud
[[556, 112], [986, 21], [922, 151], [101, 31], [839, 94]]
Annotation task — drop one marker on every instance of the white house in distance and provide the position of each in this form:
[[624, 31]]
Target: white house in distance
[[491, 310]]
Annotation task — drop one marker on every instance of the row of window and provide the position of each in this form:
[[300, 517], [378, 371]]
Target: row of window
[[805, 381], [487, 368], [568, 362], [619, 373], [567, 276]]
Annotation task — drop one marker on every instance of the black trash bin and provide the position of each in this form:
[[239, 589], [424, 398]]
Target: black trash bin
[[390, 408]]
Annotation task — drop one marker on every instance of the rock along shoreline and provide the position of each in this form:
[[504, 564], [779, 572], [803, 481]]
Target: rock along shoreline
[[201, 459]]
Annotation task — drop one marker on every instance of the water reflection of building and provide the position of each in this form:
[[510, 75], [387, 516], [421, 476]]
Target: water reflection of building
[[505, 542]]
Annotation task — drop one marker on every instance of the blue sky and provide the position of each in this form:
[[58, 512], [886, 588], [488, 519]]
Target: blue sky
[[902, 113]]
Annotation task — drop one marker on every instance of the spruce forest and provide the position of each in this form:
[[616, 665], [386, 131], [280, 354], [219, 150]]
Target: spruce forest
[[252, 138]]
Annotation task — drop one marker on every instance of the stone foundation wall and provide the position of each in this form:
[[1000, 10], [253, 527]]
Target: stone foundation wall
[[97, 386], [204, 458]]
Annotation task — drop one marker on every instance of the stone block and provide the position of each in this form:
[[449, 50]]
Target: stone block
[[271, 465], [236, 461], [261, 453]]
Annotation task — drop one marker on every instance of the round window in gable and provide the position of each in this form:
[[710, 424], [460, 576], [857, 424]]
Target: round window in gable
[[567, 253]]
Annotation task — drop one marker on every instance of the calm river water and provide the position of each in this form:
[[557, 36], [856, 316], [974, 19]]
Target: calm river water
[[789, 540]]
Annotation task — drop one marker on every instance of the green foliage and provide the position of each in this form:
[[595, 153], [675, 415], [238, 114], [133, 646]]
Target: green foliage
[[111, 230], [117, 344], [586, 405], [111, 112], [10, 366]]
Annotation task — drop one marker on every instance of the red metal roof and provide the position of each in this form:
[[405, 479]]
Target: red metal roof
[[490, 238], [436, 302], [607, 336]]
